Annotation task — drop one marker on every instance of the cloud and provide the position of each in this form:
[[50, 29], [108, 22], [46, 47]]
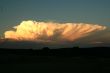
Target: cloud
[[51, 31]]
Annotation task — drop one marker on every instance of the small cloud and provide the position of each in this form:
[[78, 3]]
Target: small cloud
[[97, 42]]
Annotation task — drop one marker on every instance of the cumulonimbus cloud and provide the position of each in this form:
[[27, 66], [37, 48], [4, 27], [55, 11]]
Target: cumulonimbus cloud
[[51, 31]]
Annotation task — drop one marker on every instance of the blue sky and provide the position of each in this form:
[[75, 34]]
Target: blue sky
[[12, 12]]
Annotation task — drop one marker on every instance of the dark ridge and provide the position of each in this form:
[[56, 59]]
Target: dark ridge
[[48, 55], [61, 52]]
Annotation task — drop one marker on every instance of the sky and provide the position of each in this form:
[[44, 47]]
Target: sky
[[13, 12]]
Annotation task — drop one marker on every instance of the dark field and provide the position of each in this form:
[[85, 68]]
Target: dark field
[[71, 60]]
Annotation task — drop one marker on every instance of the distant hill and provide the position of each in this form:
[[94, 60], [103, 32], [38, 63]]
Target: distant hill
[[75, 51], [52, 55]]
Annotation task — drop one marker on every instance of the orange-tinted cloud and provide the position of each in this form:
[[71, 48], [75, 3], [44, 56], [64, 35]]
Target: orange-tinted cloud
[[50, 31]]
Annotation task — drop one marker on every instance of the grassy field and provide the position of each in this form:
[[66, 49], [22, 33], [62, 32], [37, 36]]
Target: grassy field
[[32, 63], [55, 65]]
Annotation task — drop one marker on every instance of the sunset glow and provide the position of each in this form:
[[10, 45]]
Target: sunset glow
[[51, 31]]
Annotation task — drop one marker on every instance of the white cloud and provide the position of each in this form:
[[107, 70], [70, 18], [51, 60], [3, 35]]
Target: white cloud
[[51, 32]]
